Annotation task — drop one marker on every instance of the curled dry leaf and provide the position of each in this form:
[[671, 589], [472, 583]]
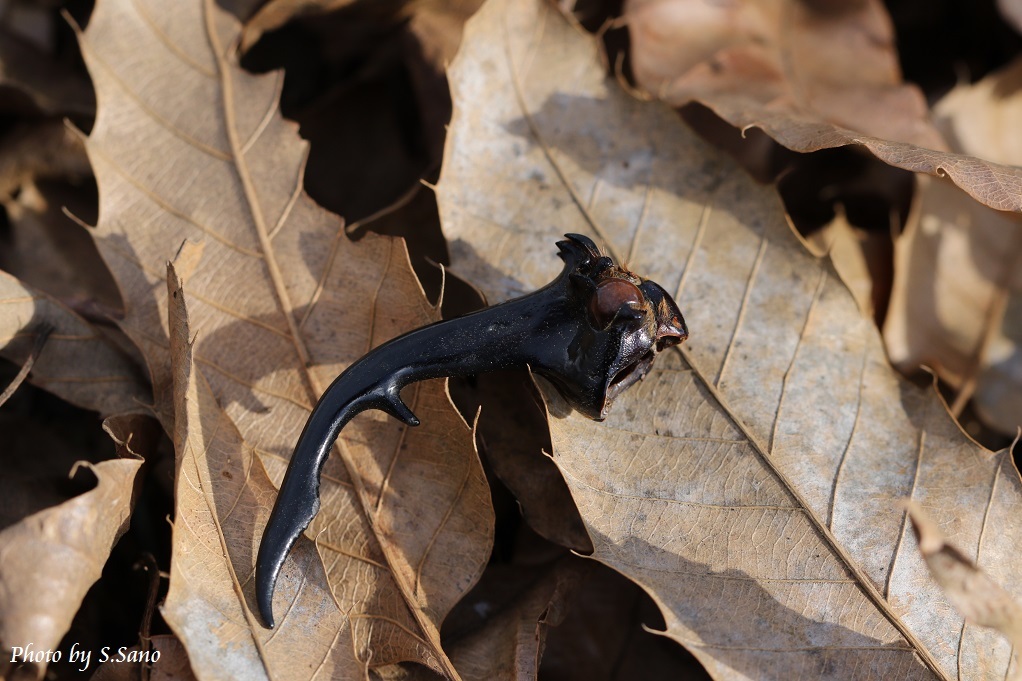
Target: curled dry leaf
[[973, 593], [50, 559], [811, 75], [955, 304], [280, 303], [754, 471], [77, 364]]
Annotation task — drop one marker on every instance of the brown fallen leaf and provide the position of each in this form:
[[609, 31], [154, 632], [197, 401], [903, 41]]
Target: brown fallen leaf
[[973, 593], [834, 62], [955, 300], [78, 364], [281, 302], [500, 629], [753, 471], [50, 559], [810, 75]]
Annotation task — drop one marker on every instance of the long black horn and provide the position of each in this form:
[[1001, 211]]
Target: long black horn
[[592, 331]]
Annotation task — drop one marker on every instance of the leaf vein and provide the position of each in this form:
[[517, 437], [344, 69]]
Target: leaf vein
[[749, 282]]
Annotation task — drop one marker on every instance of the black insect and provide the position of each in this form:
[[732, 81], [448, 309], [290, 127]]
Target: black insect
[[592, 332]]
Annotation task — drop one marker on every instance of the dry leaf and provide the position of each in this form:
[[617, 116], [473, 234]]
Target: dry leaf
[[955, 303], [77, 363], [970, 590], [49, 560], [281, 303], [754, 471], [811, 75]]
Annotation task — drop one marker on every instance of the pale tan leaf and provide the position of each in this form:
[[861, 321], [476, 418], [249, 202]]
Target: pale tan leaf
[[223, 499], [50, 559], [755, 471], [188, 146], [955, 299], [811, 75], [78, 364]]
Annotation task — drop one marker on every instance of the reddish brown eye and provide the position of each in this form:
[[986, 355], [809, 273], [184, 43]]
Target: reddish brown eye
[[610, 296]]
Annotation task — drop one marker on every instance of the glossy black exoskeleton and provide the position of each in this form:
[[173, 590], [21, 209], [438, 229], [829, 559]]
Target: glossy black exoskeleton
[[592, 332]]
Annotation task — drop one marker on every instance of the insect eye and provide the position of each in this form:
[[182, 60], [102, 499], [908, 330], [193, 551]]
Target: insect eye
[[611, 295]]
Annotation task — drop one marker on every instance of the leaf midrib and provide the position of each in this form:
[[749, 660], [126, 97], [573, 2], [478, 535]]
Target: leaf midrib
[[861, 578]]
